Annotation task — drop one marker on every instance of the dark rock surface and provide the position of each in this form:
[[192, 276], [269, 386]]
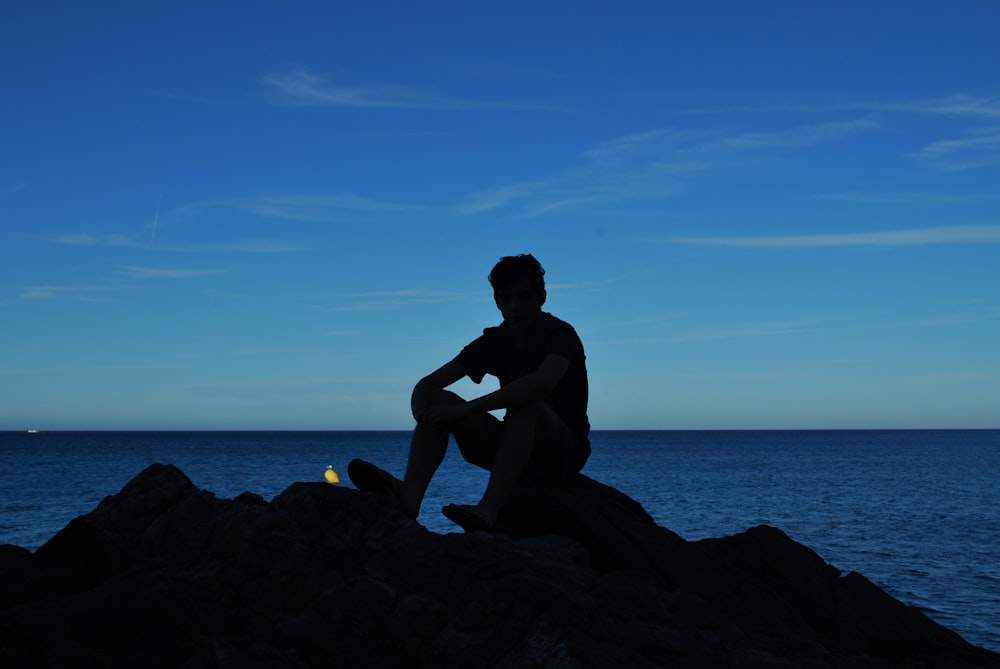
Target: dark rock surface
[[166, 575]]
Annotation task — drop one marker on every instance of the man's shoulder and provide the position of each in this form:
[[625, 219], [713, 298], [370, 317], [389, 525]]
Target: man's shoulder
[[552, 323], [491, 338], [559, 335], [494, 331], [546, 326]]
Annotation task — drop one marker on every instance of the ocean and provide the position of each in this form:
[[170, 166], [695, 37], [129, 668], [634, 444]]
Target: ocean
[[915, 511]]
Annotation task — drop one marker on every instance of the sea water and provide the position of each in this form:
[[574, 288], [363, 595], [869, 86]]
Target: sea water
[[917, 512]]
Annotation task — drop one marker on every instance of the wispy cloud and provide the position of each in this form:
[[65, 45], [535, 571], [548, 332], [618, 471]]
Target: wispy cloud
[[82, 293], [84, 369], [501, 196], [300, 87], [654, 165], [738, 332], [83, 239], [954, 105], [957, 376], [969, 234], [334, 208], [791, 139], [320, 207], [980, 150], [628, 169], [163, 273], [640, 143], [397, 299], [912, 198], [969, 314], [142, 242], [254, 246]]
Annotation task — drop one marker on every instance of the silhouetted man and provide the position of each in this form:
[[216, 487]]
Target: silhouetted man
[[540, 364]]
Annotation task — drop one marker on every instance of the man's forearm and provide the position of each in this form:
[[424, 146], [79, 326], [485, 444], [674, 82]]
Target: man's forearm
[[518, 392]]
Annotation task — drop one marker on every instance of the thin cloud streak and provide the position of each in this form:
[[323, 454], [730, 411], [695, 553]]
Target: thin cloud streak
[[320, 208], [758, 330], [961, 154], [969, 234], [110, 241], [910, 198], [653, 165], [162, 273], [793, 138], [256, 246], [83, 293], [954, 105], [398, 299], [123, 241], [336, 208], [299, 87], [85, 369], [985, 315]]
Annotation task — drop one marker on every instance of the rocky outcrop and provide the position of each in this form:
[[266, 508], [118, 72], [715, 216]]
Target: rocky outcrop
[[166, 575]]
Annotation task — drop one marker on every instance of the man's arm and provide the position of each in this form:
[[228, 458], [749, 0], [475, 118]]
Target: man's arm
[[440, 378], [524, 390]]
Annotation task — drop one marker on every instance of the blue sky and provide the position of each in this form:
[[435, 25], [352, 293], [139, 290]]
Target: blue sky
[[280, 215]]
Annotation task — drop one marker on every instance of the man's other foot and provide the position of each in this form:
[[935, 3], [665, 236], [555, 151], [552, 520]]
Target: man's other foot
[[469, 518]]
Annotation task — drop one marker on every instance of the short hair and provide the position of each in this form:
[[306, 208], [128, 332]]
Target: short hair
[[512, 269]]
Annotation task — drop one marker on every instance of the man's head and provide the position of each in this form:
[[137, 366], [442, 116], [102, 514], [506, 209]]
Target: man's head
[[518, 289], [512, 269]]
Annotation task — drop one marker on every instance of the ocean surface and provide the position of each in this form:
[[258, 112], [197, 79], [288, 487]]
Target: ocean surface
[[917, 512]]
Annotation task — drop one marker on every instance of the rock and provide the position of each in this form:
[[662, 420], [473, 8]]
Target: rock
[[166, 575]]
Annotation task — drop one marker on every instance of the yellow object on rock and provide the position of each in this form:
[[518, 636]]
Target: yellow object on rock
[[330, 475]]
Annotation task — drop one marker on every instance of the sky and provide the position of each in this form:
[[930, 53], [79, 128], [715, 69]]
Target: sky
[[280, 215]]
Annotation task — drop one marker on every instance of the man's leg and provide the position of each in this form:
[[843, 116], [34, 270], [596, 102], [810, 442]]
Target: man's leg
[[523, 426], [427, 448]]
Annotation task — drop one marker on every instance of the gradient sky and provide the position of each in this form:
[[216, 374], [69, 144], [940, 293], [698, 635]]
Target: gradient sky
[[263, 215]]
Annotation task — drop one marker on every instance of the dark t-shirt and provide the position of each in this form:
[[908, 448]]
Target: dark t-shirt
[[494, 353]]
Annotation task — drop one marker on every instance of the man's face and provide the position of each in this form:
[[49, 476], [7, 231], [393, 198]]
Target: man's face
[[518, 303]]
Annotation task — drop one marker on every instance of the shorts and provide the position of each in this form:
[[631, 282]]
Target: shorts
[[557, 457]]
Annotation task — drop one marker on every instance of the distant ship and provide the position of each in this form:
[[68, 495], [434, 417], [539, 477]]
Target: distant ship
[[32, 431]]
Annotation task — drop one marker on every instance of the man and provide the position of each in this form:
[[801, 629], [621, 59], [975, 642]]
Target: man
[[540, 363]]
